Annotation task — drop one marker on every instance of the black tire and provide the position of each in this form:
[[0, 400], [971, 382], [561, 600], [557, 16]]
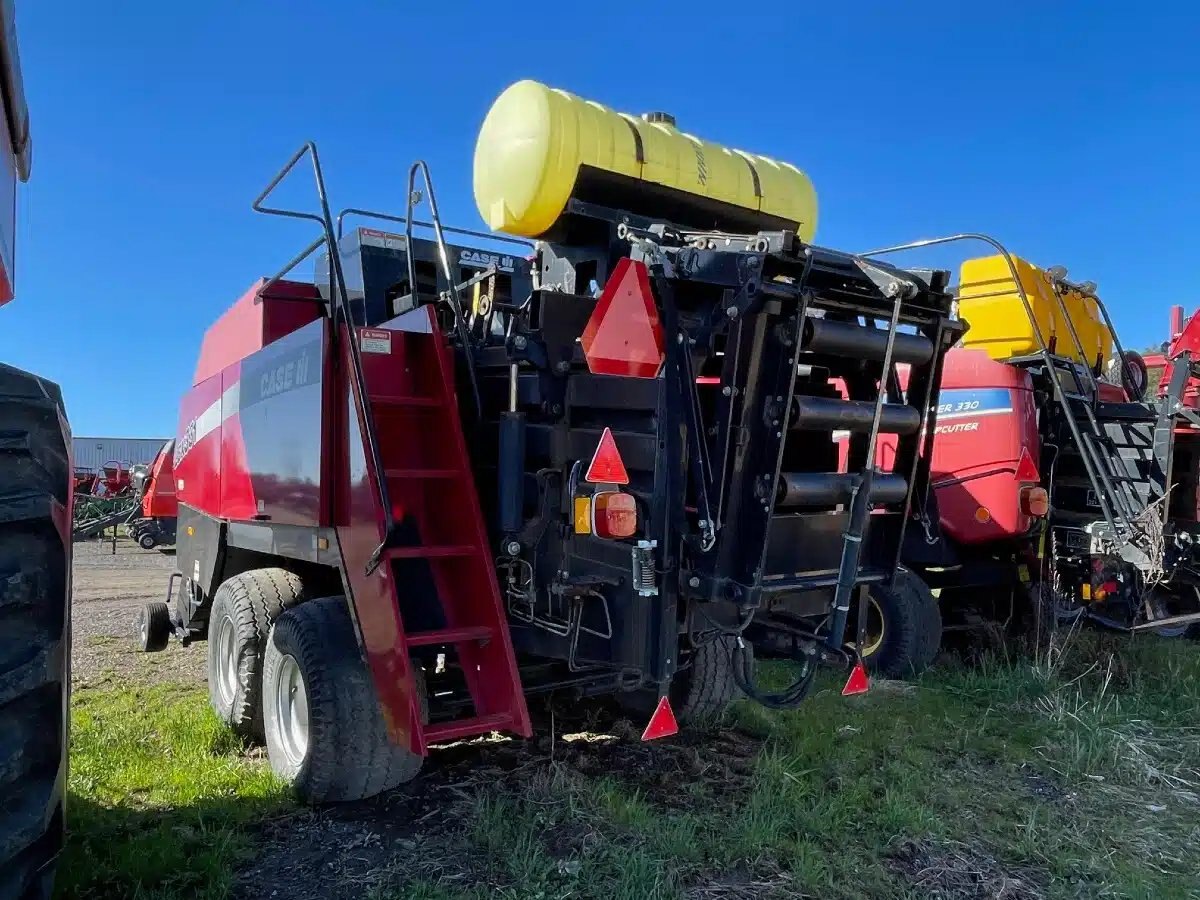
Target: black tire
[[35, 652], [154, 627], [147, 540], [911, 628], [701, 691], [346, 754], [247, 605]]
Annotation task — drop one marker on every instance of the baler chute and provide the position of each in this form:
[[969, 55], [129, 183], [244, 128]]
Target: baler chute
[[583, 467]]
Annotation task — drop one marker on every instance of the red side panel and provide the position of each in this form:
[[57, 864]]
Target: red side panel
[[197, 462], [160, 500], [252, 323], [250, 443], [985, 419]]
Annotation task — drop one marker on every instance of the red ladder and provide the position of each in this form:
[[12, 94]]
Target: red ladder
[[441, 563]]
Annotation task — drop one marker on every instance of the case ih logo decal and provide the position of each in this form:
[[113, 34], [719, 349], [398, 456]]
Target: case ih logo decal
[[283, 372], [289, 369], [483, 260]]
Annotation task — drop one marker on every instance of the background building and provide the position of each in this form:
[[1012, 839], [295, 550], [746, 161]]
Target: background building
[[93, 452]]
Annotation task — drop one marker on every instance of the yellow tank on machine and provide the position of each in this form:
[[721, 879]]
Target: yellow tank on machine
[[540, 147], [1001, 327]]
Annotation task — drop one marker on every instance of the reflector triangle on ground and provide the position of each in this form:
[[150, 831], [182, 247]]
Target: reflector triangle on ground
[[662, 723], [857, 683], [607, 466]]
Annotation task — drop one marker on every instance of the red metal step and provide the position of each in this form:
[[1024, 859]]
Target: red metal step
[[431, 552], [466, 592], [448, 636], [472, 727]]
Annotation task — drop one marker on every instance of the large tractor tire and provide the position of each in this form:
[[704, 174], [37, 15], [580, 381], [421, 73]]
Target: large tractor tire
[[243, 611], [325, 730], [702, 690], [904, 627], [35, 650]]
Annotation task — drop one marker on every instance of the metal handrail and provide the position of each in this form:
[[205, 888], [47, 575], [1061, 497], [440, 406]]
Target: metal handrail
[[452, 295], [449, 229], [1091, 461], [340, 311]]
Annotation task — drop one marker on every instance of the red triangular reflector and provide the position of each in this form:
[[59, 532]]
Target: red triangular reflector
[[623, 335], [662, 723], [607, 466], [1026, 469], [857, 683]]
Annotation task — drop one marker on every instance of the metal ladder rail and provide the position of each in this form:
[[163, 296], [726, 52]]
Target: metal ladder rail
[[340, 312], [1108, 323], [455, 301], [860, 498], [1091, 463], [1121, 497]]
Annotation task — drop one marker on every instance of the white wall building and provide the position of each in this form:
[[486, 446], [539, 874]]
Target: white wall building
[[93, 452]]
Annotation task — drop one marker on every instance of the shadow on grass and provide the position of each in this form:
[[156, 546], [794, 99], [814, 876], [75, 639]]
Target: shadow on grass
[[188, 851]]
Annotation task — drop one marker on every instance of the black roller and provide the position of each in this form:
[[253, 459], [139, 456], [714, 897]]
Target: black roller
[[853, 340], [831, 414], [830, 488]]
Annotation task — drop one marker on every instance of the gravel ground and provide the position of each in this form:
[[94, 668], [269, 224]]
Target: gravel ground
[[108, 590]]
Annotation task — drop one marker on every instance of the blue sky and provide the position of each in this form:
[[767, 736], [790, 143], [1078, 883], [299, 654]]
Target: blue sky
[[1069, 130]]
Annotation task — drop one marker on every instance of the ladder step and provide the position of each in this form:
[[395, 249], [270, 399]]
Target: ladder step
[[399, 400], [460, 728], [448, 636], [417, 474], [432, 551]]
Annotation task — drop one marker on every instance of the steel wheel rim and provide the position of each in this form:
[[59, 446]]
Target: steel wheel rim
[[144, 628], [874, 640], [291, 710], [226, 660]]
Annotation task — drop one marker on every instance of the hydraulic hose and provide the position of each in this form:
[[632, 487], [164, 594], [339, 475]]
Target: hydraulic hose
[[790, 697]]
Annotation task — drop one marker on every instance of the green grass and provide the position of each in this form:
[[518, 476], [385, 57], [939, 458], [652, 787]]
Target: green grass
[[1078, 781], [161, 794]]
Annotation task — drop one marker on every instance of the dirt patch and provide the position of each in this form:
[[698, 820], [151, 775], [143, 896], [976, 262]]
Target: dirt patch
[[423, 831], [765, 881], [957, 871], [107, 591]]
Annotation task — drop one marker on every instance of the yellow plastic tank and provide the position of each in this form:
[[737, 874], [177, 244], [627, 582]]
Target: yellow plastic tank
[[1001, 327], [538, 145]]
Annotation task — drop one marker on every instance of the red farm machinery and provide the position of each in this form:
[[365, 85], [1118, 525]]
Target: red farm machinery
[[153, 522], [1059, 492], [438, 479], [35, 558]]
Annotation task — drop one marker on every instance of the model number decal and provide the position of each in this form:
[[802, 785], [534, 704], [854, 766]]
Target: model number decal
[[960, 406]]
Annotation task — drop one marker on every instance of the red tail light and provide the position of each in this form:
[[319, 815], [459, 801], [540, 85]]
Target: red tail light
[[614, 515], [1035, 501]]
